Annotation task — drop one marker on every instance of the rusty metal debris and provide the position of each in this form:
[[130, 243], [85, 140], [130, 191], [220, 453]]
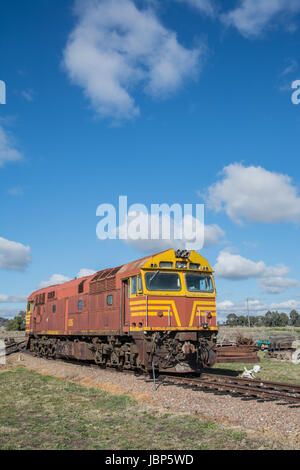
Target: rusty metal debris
[[241, 350], [13, 346], [284, 347]]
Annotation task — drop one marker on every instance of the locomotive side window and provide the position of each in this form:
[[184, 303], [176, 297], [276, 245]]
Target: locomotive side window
[[109, 300], [166, 264], [195, 266], [79, 304], [140, 285], [163, 281], [53, 308], [181, 264], [133, 283]]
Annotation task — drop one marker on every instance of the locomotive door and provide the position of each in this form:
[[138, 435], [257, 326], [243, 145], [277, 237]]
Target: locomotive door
[[34, 318], [125, 302]]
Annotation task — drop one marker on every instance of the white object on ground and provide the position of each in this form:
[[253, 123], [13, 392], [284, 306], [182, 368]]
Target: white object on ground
[[249, 374]]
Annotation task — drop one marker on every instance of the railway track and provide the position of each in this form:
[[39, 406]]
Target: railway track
[[14, 346], [251, 388]]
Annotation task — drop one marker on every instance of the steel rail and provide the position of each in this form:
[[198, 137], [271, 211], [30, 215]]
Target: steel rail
[[15, 347], [244, 387], [214, 382], [284, 386]]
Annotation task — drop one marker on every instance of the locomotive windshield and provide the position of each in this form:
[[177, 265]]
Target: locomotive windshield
[[199, 283], [162, 281]]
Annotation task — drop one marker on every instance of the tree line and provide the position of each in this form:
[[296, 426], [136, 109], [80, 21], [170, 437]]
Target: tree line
[[269, 319], [17, 323]]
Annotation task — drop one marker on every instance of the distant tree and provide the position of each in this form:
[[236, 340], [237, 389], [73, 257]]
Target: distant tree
[[283, 319], [17, 323], [276, 319], [3, 322], [232, 319], [260, 320], [268, 319], [253, 321], [294, 318], [272, 319], [241, 320]]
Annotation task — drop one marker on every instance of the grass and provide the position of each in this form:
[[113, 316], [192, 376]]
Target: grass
[[271, 369], [42, 412]]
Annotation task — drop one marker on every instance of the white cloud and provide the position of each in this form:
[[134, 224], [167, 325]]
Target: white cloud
[[14, 255], [290, 67], [212, 235], [9, 312], [253, 17], [233, 266], [240, 308], [12, 298], [284, 77], [207, 7], [225, 305], [28, 95], [277, 285], [138, 232], [85, 272], [54, 279], [286, 305], [60, 278], [256, 194], [256, 307], [116, 48], [8, 152]]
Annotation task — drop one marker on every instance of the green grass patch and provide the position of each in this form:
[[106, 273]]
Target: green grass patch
[[271, 369], [42, 412]]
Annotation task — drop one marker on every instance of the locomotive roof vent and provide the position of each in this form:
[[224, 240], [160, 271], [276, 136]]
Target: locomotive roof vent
[[182, 254]]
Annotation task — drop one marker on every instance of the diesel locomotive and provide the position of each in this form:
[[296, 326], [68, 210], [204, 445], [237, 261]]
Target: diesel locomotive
[[157, 312]]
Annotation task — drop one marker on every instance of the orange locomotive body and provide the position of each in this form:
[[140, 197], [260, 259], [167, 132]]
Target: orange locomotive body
[[158, 311]]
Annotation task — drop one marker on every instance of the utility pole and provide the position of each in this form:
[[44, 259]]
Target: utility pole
[[248, 311]]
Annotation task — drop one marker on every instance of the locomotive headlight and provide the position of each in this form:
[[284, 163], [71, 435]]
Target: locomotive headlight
[[205, 325]]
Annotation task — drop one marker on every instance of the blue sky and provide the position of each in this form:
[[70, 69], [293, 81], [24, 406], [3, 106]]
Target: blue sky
[[175, 101]]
